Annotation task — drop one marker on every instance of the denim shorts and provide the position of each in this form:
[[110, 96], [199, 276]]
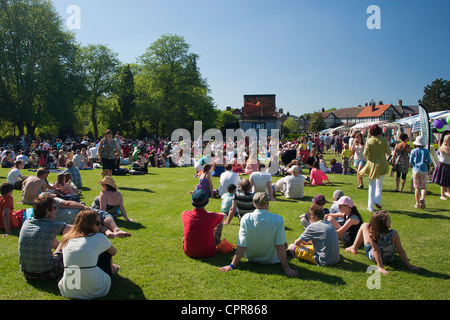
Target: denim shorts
[[356, 163], [369, 251]]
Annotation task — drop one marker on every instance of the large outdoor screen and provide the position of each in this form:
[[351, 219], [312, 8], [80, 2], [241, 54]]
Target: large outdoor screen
[[259, 105]]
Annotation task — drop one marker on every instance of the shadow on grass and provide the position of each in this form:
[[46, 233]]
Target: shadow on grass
[[121, 288], [129, 225], [424, 214], [137, 189], [124, 289], [49, 286], [221, 260]]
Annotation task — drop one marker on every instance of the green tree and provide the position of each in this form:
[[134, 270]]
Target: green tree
[[126, 100], [290, 125], [170, 87], [100, 65], [224, 117], [317, 122], [39, 78], [436, 96]]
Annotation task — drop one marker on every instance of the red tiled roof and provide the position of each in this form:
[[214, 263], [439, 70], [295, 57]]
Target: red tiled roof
[[377, 112]]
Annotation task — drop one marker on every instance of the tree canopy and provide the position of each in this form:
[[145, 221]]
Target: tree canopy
[[436, 96]]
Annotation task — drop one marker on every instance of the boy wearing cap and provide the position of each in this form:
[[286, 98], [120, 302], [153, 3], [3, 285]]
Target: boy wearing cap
[[201, 229], [318, 200], [420, 159], [291, 186]]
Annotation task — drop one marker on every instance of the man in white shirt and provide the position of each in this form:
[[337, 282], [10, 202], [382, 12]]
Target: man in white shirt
[[227, 178], [78, 160], [261, 181], [15, 177], [92, 153], [291, 186]]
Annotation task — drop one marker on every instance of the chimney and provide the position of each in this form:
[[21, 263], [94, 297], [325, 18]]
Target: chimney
[[228, 108], [400, 103], [323, 110], [280, 110], [373, 106], [380, 103]]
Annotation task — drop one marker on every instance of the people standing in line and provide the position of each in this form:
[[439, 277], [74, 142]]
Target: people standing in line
[[375, 151], [420, 158]]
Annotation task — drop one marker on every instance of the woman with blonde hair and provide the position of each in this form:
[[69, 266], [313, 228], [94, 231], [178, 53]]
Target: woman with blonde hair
[[87, 256], [441, 174]]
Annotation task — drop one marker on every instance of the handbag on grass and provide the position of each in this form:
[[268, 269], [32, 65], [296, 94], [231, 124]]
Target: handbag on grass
[[225, 246]]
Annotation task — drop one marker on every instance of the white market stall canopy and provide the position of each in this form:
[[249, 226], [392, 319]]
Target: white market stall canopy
[[365, 125], [414, 121]]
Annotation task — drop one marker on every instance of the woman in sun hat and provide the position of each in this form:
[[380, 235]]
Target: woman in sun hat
[[376, 167], [348, 227], [110, 201], [420, 159]]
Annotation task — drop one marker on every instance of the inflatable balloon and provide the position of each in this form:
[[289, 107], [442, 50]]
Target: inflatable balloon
[[438, 124], [448, 119], [441, 129]]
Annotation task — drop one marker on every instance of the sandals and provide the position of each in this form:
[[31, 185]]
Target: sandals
[[422, 203]]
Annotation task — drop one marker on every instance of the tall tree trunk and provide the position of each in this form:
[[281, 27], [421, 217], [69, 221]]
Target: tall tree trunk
[[94, 117]]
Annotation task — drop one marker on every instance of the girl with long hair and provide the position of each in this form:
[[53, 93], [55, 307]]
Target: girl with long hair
[[87, 255], [380, 241]]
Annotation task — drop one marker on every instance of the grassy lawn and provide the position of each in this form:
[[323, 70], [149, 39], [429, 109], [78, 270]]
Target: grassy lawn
[[154, 266]]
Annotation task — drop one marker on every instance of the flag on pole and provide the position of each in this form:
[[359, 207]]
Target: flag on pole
[[424, 125]]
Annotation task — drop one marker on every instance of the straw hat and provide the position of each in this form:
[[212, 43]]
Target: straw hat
[[109, 181]]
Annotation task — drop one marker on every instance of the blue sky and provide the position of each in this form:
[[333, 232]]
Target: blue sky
[[310, 53]]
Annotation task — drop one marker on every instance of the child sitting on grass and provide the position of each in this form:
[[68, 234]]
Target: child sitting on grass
[[324, 239], [317, 176], [380, 241], [336, 167], [227, 199], [323, 164], [9, 219]]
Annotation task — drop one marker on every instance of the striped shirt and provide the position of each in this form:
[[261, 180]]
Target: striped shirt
[[294, 186], [244, 202]]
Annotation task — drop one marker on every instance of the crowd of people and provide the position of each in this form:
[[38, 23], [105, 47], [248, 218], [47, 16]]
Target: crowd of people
[[261, 233], [85, 246]]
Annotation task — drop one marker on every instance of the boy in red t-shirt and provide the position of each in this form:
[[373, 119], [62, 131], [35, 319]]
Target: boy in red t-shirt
[[201, 229], [9, 218]]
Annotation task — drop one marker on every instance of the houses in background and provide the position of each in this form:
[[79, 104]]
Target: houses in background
[[370, 112]]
